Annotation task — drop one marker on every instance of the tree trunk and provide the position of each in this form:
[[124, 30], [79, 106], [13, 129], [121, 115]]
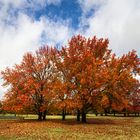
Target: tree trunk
[[44, 115], [84, 117], [40, 116], [78, 115], [64, 114], [128, 114], [124, 114], [105, 113], [96, 114], [114, 113]]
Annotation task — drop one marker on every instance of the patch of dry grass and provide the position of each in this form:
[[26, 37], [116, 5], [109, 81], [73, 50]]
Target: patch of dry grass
[[97, 128]]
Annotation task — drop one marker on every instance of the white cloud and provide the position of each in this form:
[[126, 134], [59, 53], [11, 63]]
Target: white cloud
[[8, 7], [16, 40], [30, 3], [87, 5], [56, 32], [117, 20], [15, 3]]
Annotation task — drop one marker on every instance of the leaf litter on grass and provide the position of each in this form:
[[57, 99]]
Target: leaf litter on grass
[[95, 129]]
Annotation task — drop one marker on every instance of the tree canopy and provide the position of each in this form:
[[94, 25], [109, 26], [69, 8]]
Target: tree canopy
[[84, 76]]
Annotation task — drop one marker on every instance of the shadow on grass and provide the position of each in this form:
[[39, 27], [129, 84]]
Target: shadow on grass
[[98, 121], [90, 121], [68, 121]]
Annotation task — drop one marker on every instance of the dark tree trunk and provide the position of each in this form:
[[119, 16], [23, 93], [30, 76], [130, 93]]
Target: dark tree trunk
[[105, 113], [124, 114], [78, 115], [84, 117], [114, 113], [40, 116], [64, 114], [96, 114], [40, 101], [44, 115]]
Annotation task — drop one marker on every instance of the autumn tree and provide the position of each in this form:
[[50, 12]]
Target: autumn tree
[[82, 66], [96, 78], [121, 81], [29, 82], [61, 85], [134, 101]]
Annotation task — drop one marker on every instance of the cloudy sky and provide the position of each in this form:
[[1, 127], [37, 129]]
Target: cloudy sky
[[26, 25]]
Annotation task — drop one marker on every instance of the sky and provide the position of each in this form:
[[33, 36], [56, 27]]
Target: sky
[[26, 25]]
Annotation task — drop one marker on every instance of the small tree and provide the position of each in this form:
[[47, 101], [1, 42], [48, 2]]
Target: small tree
[[121, 82]]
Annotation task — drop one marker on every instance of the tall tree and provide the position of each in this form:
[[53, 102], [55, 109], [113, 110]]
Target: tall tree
[[29, 81], [82, 66]]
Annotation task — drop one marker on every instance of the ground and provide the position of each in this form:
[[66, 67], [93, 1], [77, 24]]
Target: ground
[[97, 128]]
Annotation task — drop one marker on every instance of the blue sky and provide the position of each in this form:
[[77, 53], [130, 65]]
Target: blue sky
[[26, 25], [66, 10]]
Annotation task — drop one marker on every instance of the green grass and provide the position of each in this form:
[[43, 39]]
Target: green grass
[[97, 128], [30, 116]]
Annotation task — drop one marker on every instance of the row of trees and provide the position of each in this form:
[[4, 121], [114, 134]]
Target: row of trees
[[84, 76]]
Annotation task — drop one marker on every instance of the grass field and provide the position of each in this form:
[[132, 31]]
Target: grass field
[[97, 128]]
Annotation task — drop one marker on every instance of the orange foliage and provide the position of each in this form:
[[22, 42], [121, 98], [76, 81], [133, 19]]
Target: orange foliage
[[85, 76]]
